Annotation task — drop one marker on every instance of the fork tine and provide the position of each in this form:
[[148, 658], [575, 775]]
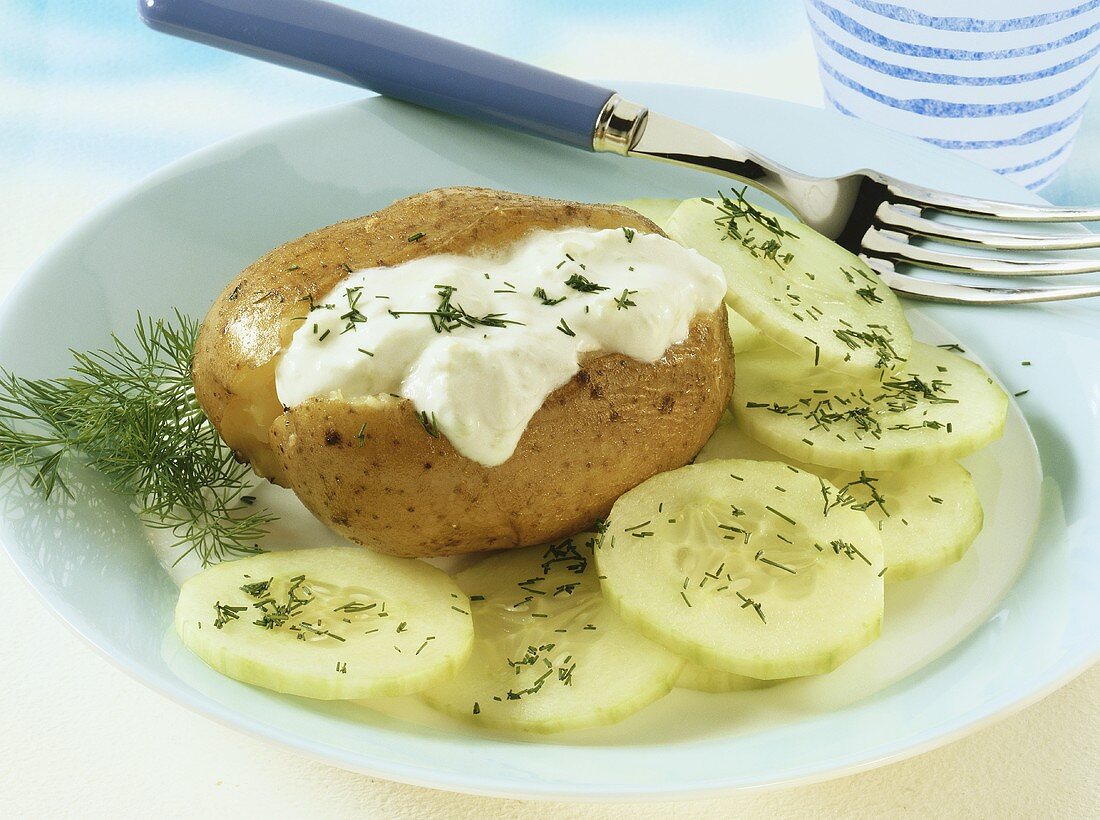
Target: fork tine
[[923, 198], [931, 291], [883, 245], [907, 220]]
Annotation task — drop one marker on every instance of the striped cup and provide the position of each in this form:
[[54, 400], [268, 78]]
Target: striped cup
[[1006, 85]]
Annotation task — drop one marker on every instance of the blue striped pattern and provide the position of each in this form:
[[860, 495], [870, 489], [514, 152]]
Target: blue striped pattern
[[869, 35], [1009, 92], [916, 17], [906, 73], [943, 108], [1026, 138]]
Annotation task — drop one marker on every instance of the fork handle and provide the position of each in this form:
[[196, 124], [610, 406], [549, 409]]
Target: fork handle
[[341, 44]]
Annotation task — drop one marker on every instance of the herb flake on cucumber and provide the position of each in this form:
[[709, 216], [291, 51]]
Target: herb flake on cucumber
[[801, 289], [926, 516], [735, 565], [330, 623], [550, 655], [938, 406]]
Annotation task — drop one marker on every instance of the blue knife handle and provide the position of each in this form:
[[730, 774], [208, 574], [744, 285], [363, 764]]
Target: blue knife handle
[[332, 41]]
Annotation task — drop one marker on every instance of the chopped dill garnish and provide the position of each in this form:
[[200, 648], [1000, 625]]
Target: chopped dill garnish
[[776, 512], [850, 550], [428, 423], [448, 316], [880, 343], [353, 317], [224, 614], [564, 552], [355, 606], [540, 294], [764, 560], [314, 306], [257, 589], [740, 217], [582, 283], [747, 602], [623, 302], [868, 295]]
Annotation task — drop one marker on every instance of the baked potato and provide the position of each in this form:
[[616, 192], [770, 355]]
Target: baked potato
[[365, 465]]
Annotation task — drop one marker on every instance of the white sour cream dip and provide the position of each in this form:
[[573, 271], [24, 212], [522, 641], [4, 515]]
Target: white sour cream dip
[[477, 343]]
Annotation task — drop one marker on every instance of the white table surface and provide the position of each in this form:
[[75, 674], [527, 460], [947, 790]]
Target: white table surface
[[89, 103]]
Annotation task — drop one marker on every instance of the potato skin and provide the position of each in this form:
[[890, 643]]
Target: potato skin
[[254, 317], [615, 424], [398, 489]]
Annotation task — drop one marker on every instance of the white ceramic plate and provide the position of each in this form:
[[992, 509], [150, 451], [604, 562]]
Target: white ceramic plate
[[999, 630]]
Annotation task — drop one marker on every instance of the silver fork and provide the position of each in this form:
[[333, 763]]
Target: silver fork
[[875, 216], [869, 213]]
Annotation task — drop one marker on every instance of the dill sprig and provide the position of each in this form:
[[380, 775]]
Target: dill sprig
[[129, 411]]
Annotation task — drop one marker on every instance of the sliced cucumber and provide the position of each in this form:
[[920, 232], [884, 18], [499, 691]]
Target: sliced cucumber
[[550, 654], [704, 679], [927, 517], [938, 407], [335, 623], [744, 335], [738, 566], [654, 209], [729, 441], [799, 288]]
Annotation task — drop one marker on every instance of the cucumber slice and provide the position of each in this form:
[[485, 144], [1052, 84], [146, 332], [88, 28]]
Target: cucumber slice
[[334, 623], [940, 406], [550, 655], [802, 290], [704, 679], [736, 565], [729, 441], [654, 209], [744, 335], [927, 517]]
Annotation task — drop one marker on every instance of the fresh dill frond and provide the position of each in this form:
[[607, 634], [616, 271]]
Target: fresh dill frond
[[129, 411]]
